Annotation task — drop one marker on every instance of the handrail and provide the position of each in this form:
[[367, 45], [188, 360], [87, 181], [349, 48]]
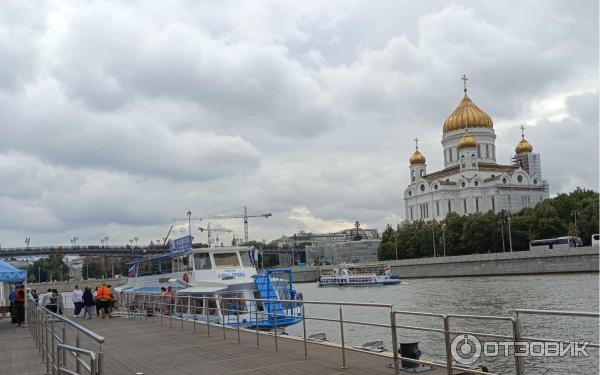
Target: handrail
[[557, 312], [99, 339]]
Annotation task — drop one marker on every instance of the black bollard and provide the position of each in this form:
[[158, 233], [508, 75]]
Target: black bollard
[[409, 350]]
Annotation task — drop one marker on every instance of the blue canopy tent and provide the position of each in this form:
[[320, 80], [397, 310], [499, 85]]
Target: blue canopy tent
[[10, 274]]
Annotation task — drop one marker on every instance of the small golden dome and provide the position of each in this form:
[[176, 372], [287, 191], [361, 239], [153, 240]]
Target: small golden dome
[[523, 147], [417, 158], [467, 141]]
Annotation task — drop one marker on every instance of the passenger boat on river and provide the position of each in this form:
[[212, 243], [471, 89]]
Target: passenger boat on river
[[359, 275], [228, 282]]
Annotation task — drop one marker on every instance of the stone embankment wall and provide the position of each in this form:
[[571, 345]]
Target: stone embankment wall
[[584, 259]]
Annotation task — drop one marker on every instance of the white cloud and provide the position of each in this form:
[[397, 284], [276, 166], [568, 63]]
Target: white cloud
[[118, 117]]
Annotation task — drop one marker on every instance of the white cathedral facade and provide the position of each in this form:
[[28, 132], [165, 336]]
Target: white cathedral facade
[[471, 180]]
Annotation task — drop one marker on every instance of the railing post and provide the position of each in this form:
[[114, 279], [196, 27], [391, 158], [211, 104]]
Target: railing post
[[238, 320], [77, 344], [47, 346], [100, 363], [342, 336], [223, 311], [516, 323], [180, 310], [275, 319], [53, 344], [394, 340], [64, 339], [153, 308], [195, 312], [257, 340], [304, 331], [447, 345], [207, 317]]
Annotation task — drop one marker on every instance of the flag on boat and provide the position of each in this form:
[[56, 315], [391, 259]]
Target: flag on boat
[[131, 272]]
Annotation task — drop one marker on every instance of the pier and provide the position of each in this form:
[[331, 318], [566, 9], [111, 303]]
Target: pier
[[142, 340]]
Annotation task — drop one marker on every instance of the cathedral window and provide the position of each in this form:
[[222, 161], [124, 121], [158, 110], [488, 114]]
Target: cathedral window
[[520, 178], [463, 184], [409, 193], [465, 205], [422, 173], [422, 187], [476, 204], [476, 183], [435, 187], [493, 204], [449, 206], [437, 208], [535, 181], [487, 151], [478, 150], [413, 175], [411, 213], [450, 154], [504, 180]]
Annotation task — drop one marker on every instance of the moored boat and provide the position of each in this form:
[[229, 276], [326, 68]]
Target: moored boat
[[357, 275], [223, 285]]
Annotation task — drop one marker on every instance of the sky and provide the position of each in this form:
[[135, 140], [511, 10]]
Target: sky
[[119, 116]]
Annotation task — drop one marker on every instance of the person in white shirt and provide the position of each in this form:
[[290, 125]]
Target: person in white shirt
[[77, 300]]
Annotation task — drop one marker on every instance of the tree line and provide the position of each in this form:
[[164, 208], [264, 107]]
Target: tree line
[[488, 232]]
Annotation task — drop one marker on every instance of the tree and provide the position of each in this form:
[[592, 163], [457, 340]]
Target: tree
[[51, 268]]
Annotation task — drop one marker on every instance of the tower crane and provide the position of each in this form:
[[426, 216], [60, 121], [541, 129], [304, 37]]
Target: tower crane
[[244, 216], [210, 232]]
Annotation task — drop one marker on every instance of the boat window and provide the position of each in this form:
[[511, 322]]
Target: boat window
[[201, 261], [226, 260], [232, 303], [165, 266], [180, 264], [246, 258]]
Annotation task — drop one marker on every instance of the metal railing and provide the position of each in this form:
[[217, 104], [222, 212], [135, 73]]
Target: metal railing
[[59, 341], [217, 311]]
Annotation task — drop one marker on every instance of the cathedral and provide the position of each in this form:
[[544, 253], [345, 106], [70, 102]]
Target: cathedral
[[471, 180]]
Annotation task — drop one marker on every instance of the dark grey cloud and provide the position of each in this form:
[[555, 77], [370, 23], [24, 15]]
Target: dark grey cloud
[[117, 117]]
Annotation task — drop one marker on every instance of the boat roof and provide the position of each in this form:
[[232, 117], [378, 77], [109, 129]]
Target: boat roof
[[224, 249]]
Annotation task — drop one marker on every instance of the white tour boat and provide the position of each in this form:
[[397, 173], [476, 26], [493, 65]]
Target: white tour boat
[[219, 274], [368, 274]]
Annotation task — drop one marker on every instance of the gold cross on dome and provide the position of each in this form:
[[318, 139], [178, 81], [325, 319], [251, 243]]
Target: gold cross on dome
[[522, 130], [416, 143], [465, 79]]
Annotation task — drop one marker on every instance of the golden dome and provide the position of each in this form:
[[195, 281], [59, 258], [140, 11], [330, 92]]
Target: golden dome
[[523, 146], [417, 158], [467, 141], [467, 115]]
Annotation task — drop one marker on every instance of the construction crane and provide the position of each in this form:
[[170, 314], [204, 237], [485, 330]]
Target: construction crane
[[244, 216], [210, 232]]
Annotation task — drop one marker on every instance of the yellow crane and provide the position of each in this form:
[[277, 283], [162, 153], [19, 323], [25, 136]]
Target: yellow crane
[[209, 230]]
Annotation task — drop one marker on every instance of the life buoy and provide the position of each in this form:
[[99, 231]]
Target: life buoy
[[186, 278]]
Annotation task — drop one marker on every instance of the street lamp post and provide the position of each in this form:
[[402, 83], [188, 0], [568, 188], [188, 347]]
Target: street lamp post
[[189, 215], [574, 213], [509, 235], [444, 237], [27, 240], [136, 238], [396, 241], [433, 236], [501, 222]]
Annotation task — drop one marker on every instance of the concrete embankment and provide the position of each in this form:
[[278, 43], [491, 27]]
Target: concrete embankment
[[583, 259]]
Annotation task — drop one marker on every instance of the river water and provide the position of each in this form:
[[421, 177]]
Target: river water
[[493, 295]]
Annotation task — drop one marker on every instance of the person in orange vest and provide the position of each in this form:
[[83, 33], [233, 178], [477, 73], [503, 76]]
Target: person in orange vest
[[103, 300]]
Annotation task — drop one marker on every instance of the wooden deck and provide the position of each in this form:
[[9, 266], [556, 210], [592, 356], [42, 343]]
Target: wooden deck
[[18, 354], [138, 345]]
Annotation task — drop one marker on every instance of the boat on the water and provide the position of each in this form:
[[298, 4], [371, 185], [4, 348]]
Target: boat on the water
[[358, 275], [228, 281]]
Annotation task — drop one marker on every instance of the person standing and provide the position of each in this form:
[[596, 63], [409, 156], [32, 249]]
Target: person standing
[[88, 302], [11, 299], [20, 304], [77, 300], [103, 300], [45, 298], [34, 295]]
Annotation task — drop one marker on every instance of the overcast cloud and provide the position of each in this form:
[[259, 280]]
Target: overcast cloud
[[117, 117]]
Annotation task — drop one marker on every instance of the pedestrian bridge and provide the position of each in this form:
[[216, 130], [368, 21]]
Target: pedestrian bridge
[[92, 250]]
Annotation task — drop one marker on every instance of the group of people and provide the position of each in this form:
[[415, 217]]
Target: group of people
[[168, 299], [102, 301]]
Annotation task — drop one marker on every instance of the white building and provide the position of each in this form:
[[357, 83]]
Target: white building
[[471, 180]]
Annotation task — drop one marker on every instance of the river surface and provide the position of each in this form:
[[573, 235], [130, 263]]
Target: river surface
[[494, 295]]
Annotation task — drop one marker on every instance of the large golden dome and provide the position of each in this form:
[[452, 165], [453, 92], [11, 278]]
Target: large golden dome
[[523, 147], [417, 158], [467, 141], [467, 115]]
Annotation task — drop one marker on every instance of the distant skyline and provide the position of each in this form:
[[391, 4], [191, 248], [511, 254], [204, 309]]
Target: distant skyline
[[119, 116]]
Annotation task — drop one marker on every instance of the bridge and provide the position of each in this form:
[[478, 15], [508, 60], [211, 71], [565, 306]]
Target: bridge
[[110, 251]]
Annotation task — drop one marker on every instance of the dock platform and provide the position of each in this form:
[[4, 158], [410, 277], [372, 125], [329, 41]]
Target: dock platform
[[140, 346], [18, 353]]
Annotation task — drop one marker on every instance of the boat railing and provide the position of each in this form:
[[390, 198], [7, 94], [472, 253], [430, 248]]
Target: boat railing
[[154, 307], [65, 345]]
